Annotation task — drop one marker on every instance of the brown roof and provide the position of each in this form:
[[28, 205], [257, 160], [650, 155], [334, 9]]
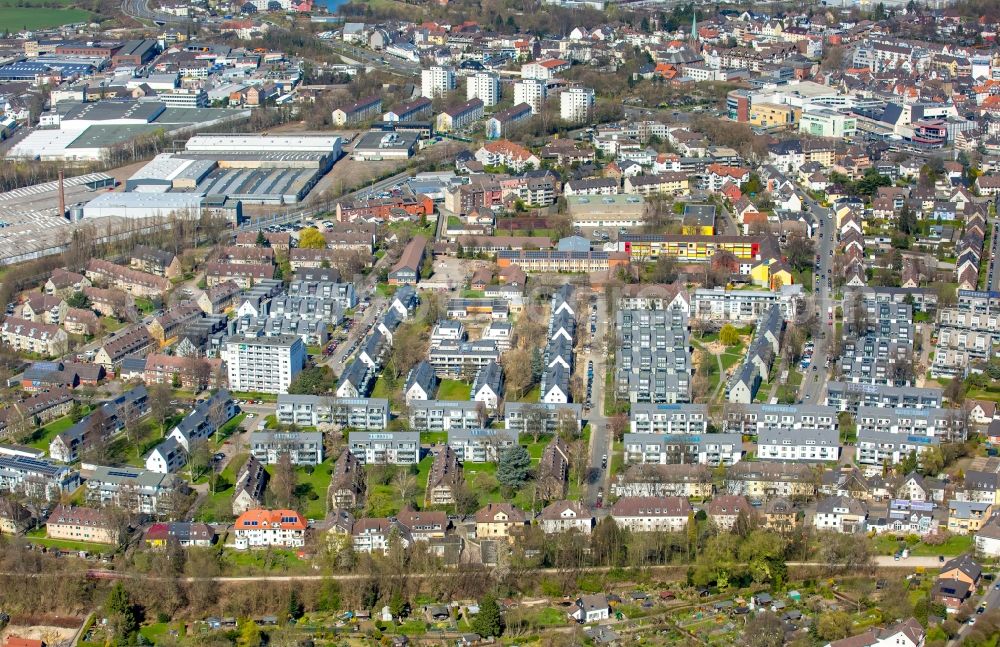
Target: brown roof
[[62, 278], [240, 269], [76, 516], [728, 504], [554, 510], [488, 513], [412, 254], [649, 506]]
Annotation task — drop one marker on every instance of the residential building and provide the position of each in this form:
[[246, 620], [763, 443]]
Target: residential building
[[653, 360], [37, 477], [324, 411], [968, 517], [701, 449], [671, 419], [184, 534], [798, 444], [263, 364], [437, 81], [566, 516], [532, 92], [484, 86], [651, 514], [763, 480], [480, 445], [385, 448], [347, 482], [576, 104], [262, 528], [841, 514], [251, 482], [406, 271], [302, 447], [137, 490], [445, 476], [73, 523], [459, 117], [500, 521], [23, 335], [658, 480]]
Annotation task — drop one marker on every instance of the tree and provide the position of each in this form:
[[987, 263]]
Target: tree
[[284, 482], [312, 238], [513, 467], [250, 634], [833, 625], [763, 630], [78, 300], [262, 239], [517, 371], [488, 622], [160, 397], [409, 346], [729, 335], [397, 605], [801, 251], [664, 270], [121, 614], [314, 380], [295, 607]]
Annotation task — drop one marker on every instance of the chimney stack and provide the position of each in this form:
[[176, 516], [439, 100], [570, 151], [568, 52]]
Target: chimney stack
[[62, 195]]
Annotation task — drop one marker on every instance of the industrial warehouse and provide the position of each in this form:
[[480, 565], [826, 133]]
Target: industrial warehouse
[[78, 131], [248, 169]]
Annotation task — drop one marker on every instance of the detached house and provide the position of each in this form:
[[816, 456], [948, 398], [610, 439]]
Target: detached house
[[565, 516], [499, 521], [841, 514], [264, 528]]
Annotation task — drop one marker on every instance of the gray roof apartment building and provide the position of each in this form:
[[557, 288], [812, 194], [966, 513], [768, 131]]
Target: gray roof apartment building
[[320, 410], [701, 449], [302, 447], [653, 360], [385, 448]]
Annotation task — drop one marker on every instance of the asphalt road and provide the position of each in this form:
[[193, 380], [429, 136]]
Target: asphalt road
[[600, 438], [814, 381], [990, 600], [993, 278]]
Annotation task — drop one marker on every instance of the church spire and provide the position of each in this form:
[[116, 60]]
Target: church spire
[[694, 24]]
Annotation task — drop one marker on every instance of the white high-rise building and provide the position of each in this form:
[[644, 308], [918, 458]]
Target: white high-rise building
[[437, 81], [484, 86], [263, 364], [576, 104], [531, 92]]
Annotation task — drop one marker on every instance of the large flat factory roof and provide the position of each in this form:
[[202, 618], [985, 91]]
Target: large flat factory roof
[[257, 143], [259, 185], [257, 156], [101, 136], [111, 110]]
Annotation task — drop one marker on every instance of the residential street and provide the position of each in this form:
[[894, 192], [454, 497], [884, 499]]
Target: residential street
[[814, 382]]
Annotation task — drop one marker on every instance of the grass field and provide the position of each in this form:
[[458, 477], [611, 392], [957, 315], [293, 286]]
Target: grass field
[[38, 537], [454, 390], [311, 489], [42, 437], [954, 545], [219, 506], [13, 18]]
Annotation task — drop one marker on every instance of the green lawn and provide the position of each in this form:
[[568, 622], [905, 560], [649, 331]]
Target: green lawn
[[219, 506], [38, 537], [454, 390], [432, 437], [17, 18], [534, 395], [954, 545], [229, 428], [382, 388], [43, 436], [272, 559], [473, 294], [110, 324], [311, 488]]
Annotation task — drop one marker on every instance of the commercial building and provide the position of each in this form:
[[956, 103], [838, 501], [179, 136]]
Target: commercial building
[[604, 210], [263, 364], [823, 122], [688, 249], [378, 145]]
